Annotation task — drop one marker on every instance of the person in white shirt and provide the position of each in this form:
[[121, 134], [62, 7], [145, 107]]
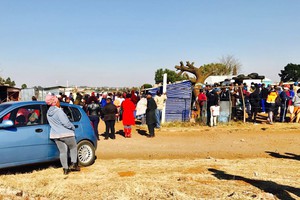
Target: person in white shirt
[[141, 109], [160, 100]]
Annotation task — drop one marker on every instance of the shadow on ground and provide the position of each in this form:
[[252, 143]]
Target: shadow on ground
[[285, 155], [142, 132], [278, 190], [120, 132], [29, 168]]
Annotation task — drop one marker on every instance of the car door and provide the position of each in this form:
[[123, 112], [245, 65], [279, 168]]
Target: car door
[[53, 152], [28, 140], [74, 116]]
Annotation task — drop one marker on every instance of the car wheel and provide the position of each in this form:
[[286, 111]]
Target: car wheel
[[86, 153]]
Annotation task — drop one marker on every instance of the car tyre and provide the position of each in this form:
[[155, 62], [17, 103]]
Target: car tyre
[[86, 153]]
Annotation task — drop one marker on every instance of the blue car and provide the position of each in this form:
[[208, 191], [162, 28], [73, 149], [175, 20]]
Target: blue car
[[24, 134]]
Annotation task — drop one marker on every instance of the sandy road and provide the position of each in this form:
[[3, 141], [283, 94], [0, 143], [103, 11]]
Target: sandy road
[[225, 141]]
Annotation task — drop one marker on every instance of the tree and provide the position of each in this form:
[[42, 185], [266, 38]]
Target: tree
[[7, 81], [146, 85], [202, 72], [172, 76], [291, 72], [24, 86], [231, 63]]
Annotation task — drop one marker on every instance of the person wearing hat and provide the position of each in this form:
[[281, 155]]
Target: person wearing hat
[[62, 131], [103, 100], [150, 115], [92, 98]]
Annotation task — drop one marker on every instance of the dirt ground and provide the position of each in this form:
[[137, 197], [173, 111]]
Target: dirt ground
[[234, 161], [238, 140]]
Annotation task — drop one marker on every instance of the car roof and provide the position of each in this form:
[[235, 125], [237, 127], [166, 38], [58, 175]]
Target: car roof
[[24, 102], [20, 103]]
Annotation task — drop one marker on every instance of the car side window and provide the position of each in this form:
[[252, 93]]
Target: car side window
[[72, 113], [25, 116], [68, 112], [76, 114]]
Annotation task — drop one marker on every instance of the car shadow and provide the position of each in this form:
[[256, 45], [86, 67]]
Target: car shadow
[[278, 190], [286, 155], [29, 168]]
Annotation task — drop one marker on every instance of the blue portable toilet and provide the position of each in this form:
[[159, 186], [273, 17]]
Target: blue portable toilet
[[178, 104]]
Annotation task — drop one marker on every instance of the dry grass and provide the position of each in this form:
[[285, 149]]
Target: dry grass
[[240, 174], [161, 179], [231, 126], [177, 124]]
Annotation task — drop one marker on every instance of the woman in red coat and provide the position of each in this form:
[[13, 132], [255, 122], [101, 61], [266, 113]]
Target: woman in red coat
[[128, 109]]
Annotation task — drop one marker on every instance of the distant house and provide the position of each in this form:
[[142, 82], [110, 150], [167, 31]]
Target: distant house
[[54, 90], [8, 93], [27, 93], [227, 79], [267, 81], [40, 93], [217, 79]]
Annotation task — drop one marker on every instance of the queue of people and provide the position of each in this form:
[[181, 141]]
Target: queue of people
[[274, 100], [126, 107]]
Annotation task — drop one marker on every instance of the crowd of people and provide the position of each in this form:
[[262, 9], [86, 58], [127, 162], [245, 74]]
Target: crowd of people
[[126, 107], [274, 100], [280, 103]]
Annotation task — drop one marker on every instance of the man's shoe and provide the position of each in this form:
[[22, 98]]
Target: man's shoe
[[150, 136], [74, 167], [66, 171]]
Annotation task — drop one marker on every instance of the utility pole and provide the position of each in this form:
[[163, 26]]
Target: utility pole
[[163, 115]]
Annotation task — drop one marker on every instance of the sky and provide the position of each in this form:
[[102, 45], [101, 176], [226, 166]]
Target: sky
[[121, 43]]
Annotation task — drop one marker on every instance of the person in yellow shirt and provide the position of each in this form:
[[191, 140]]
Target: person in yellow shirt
[[272, 106]]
